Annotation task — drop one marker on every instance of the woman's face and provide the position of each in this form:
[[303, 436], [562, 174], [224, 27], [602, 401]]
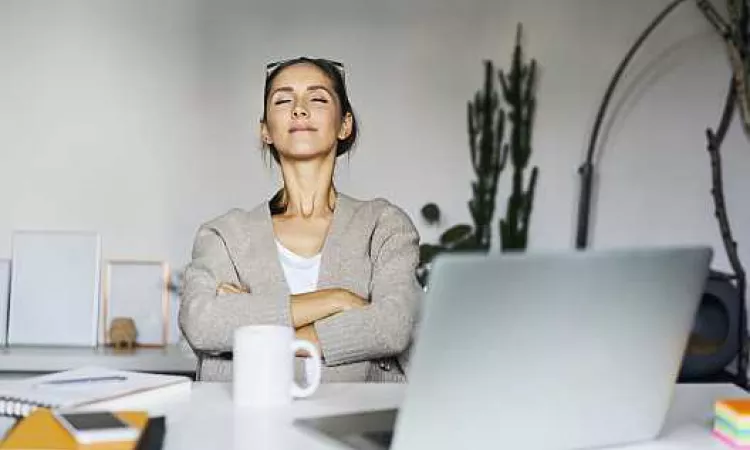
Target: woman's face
[[303, 114]]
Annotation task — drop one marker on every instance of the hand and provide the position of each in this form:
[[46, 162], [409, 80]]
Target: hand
[[310, 307], [307, 333], [347, 300], [229, 288]]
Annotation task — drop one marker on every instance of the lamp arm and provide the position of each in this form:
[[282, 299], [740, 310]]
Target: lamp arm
[[737, 45], [586, 170]]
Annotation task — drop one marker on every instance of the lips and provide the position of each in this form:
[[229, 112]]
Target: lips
[[297, 128]]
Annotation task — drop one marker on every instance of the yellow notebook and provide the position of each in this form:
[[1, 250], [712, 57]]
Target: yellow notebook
[[40, 430]]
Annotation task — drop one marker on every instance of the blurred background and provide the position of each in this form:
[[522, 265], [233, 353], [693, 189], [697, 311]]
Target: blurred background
[[139, 119]]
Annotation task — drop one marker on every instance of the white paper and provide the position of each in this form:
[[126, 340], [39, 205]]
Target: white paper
[[6, 423], [4, 298], [84, 385], [54, 298]]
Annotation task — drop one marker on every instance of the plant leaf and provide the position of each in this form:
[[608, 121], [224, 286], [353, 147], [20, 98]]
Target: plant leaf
[[455, 234], [428, 252]]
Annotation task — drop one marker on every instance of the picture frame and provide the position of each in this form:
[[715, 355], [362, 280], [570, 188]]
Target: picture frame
[[54, 288], [4, 299], [138, 289]]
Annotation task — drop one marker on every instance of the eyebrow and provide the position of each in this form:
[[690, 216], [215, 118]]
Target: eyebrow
[[314, 87]]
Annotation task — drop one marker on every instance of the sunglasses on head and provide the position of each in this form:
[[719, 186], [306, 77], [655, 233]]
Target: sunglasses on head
[[270, 67]]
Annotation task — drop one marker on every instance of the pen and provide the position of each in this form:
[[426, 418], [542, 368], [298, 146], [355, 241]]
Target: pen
[[86, 380]]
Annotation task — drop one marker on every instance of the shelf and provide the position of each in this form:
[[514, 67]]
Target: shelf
[[39, 359]]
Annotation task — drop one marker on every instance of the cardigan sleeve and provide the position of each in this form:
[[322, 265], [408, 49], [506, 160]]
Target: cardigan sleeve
[[207, 318], [384, 327]]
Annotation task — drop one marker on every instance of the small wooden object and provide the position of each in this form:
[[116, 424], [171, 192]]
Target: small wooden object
[[122, 333]]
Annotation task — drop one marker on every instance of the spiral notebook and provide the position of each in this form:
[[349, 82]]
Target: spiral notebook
[[83, 387]]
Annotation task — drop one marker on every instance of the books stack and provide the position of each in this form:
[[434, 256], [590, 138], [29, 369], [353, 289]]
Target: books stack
[[732, 422]]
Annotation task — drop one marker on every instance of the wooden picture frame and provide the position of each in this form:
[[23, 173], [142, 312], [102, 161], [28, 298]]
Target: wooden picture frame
[[139, 290]]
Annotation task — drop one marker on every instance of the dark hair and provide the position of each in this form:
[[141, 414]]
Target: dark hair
[[334, 72]]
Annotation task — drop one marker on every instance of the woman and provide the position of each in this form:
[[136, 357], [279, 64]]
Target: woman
[[340, 271]]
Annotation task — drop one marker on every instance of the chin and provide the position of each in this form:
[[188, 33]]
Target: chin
[[305, 153]]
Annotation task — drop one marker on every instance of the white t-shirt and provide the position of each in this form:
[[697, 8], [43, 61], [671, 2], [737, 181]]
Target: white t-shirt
[[301, 273], [302, 276]]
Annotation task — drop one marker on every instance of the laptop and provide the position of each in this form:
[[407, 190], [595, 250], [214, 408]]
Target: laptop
[[541, 350]]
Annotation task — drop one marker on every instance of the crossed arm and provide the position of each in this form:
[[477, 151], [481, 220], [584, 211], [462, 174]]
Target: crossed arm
[[310, 307], [347, 328]]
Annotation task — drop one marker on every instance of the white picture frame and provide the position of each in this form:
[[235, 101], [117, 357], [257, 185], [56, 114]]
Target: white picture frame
[[54, 288], [139, 290], [4, 299]]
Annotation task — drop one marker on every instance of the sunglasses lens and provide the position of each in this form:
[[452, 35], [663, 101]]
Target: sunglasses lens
[[271, 66]]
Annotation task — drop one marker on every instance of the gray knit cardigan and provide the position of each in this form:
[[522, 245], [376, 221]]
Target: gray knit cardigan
[[372, 249]]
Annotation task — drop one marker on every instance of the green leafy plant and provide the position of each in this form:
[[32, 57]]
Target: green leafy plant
[[486, 123]]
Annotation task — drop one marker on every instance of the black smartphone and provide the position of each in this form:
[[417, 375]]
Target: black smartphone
[[88, 427]]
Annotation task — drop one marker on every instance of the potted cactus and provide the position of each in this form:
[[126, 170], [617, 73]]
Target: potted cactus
[[489, 151]]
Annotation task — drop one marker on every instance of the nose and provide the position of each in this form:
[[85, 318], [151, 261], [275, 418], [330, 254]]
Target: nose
[[299, 111]]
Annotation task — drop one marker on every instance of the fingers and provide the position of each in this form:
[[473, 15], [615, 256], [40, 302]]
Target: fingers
[[352, 300], [229, 288]]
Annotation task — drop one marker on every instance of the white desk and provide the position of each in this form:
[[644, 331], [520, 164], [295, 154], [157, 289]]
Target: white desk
[[207, 418], [21, 361]]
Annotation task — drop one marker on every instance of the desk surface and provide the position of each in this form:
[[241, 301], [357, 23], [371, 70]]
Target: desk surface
[[41, 359], [208, 419], [211, 421]]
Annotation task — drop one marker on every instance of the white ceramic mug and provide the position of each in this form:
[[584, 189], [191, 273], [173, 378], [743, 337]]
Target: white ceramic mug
[[263, 366]]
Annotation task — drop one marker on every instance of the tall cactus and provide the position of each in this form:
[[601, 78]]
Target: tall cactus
[[486, 120], [486, 125], [519, 91]]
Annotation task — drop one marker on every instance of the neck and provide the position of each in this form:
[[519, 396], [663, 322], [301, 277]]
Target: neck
[[308, 187]]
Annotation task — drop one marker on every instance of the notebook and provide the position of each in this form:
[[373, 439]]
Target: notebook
[[82, 387], [41, 430]]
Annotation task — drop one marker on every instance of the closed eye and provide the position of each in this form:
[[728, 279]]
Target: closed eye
[[321, 100], [280, 102]]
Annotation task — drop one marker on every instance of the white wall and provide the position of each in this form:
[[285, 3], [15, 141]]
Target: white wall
[[139, 119], [99, 115]]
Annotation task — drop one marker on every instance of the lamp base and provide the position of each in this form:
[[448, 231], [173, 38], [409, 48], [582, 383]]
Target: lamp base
[[714, 345]]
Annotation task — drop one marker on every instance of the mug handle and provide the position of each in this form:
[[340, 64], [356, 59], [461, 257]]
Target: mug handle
[[314, 359]]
